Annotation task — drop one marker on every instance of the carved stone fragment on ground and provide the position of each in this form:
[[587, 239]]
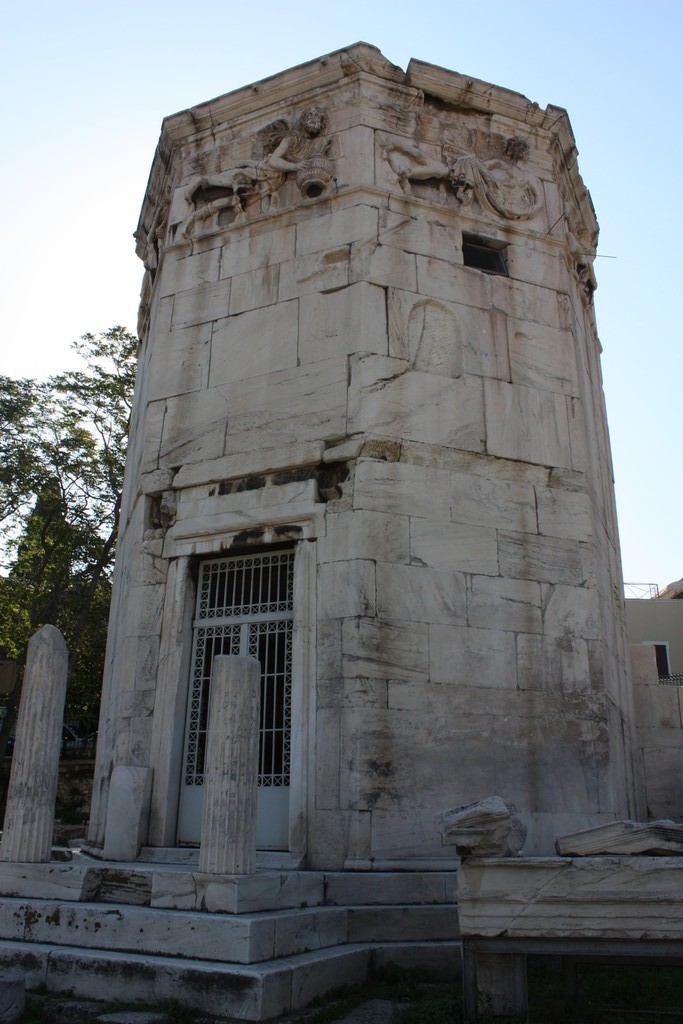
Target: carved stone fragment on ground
[[488, 828]]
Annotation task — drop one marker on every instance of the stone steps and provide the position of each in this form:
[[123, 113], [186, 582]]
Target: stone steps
[[253, 992], [183, 887], [243, 938], [229, 990], [250, 946]]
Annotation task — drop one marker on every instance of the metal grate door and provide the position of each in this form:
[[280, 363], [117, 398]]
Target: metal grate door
[[244, 606]]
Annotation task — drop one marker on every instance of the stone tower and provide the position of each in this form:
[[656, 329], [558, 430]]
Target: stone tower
[[369, 448]]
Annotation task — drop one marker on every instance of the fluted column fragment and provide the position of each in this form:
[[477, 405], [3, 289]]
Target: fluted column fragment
[[30, 813], [228, 841]]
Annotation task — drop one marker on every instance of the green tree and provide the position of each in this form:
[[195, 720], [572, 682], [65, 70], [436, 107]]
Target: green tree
[[62, 454]]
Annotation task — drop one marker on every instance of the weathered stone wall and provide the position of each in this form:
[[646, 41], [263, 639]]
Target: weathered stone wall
[[659, 740], [326, 370], [659, 736]]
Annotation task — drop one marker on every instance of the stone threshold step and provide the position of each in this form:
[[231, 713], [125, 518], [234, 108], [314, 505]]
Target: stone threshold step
[[175, 887], [244, 939], [252, 993]]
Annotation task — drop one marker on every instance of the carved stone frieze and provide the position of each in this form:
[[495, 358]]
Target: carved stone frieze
[[149, 244], [499, 186], [581, 255], [150, 239], [281, 151]]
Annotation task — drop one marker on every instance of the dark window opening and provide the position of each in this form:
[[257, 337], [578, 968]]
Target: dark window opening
[[662, 656], [484, 254]]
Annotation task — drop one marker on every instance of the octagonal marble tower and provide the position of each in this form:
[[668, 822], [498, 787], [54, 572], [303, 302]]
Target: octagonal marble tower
[[369, 447]]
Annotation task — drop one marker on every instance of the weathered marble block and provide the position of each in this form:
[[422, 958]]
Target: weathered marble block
[[128, 812], [608, 897]]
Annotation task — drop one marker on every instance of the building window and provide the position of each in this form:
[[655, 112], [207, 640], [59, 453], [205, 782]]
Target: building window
[[245, 607], [662, 656], [485, 254]]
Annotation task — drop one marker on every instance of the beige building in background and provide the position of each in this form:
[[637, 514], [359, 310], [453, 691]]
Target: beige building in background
[[659, 622], [655, 631]]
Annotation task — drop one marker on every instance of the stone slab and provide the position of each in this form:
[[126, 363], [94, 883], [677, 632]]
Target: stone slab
[[254, 288], [183, 273], [365, 534], [140, 929], [527, 424], [349, 320], [403, 489], [346, 588], [459, 654], [663, 777], [563, 513], [493, 501], [541, 357], [201, 305], [532, 557], [601, 897], [420, 594], [443, 958], [353, 224], [386, 398], [552, 663], [623, 837], [265, 460], [12, 996], [300, 404], [180, 364], [237, 895], [459, 547], [385, 650], [496, 603], [318, 272], [255, 342], [373, 888], [28, 959], [387, 924], [133, 1017], [43, 881], [257, 249], [206, 987]]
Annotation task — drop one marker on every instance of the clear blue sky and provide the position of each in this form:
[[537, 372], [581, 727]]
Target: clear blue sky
[[86, 84]]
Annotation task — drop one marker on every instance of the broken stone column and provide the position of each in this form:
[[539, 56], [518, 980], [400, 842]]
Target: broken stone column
[[30, 813], [228, 841]]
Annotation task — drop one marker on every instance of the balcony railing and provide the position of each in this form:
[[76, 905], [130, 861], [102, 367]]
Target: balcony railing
[[675, 680], [642, 591]]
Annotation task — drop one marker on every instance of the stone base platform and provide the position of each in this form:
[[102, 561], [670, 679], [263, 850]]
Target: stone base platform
[[601, 909], [251, 947]]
